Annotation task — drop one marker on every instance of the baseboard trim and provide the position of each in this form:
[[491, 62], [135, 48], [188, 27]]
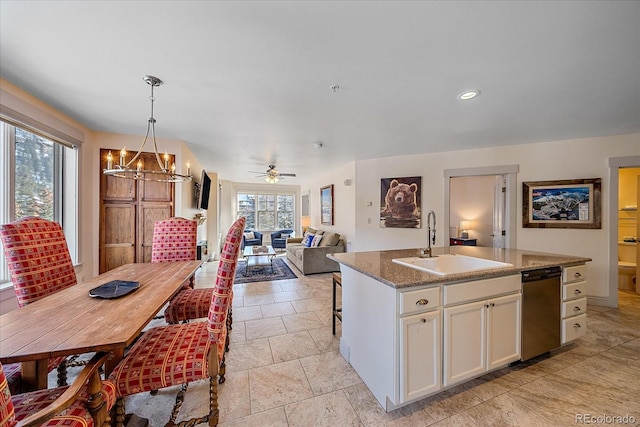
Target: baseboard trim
[[600, 301]]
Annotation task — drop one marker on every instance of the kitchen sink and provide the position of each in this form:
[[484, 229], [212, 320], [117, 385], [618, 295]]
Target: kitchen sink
[[450, 264]]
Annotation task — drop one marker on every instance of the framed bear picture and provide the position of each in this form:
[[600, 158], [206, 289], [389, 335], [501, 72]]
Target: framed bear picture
[[400, 205]]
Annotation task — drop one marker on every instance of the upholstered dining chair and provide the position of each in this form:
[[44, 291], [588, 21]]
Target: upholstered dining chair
[[40, 265], [179, 354], [174, 239], [86, 403], [191, 304]]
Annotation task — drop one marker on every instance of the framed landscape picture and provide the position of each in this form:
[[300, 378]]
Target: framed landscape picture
[[572, 203], [326, 205]]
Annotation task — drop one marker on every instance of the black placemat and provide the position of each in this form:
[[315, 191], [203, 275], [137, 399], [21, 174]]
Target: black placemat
[[114, 289]]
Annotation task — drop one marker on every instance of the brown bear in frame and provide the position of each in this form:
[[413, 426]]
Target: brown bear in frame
[[401, 203]]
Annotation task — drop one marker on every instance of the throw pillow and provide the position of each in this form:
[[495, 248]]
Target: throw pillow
[[330, 239], [249, 235], [316, 240], [285, 235], [307, 240]]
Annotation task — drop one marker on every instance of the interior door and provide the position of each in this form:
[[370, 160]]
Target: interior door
[[499, 211]]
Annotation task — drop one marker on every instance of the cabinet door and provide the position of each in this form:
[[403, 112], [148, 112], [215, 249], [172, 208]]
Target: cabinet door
[[503, 330], [117, 235], [149, 214], [464, 342], [420, 367]]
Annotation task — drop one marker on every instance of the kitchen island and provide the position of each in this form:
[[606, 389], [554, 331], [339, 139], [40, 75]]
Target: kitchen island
[[410, 333]]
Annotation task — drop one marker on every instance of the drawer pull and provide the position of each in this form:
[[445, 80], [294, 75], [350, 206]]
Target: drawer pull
[[576, 308], [577, 292], [422, 301], [577, 274], [423, 320], [577, 325]]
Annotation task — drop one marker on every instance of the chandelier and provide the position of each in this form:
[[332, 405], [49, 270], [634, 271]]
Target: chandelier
[[134, 168]]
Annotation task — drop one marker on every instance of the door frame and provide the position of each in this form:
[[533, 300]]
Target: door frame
[[615, 164], [509, 172]]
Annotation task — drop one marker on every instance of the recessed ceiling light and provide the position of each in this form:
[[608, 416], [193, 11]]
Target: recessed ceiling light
[[468, 94]]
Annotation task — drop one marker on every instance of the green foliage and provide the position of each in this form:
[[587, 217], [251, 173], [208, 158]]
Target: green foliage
[[34, 176]]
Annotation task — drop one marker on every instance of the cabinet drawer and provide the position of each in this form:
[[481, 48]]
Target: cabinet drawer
[[419, 300], [574, 274], [574, 327], [574, 291], [480, 289], [575, 307]]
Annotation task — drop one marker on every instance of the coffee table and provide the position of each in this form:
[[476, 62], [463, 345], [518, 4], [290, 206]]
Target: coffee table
[[258, 256]]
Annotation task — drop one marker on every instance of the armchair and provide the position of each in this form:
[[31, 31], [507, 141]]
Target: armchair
[[279, 242], [86, 402], [256, 241]]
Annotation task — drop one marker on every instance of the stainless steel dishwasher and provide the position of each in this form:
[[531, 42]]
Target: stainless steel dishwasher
[[540, 311]]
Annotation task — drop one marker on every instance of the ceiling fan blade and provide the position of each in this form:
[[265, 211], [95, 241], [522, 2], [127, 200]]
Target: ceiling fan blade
[[287, 174]]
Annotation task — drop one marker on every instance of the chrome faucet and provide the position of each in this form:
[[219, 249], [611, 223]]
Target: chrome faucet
[[431, 235]]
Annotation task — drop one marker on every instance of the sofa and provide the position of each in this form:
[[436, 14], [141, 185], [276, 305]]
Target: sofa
[[254, 238], [278, 241], [311, 260]]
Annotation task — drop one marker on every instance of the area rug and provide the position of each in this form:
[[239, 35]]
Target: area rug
[[281, 271]]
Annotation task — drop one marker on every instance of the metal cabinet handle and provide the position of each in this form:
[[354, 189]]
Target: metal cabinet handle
[[577, 291], [422, 301], [577, 325], [576, 308], [577, 274]]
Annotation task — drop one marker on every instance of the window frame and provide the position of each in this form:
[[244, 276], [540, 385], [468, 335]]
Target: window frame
[[257, 211], [65, 187]]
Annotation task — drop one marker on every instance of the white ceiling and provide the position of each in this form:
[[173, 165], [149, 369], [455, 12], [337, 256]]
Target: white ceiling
[[248, 83]]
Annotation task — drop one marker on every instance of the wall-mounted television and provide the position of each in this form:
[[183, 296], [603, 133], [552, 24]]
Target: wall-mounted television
[[205, 189]]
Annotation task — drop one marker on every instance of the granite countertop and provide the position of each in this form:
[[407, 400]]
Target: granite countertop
[[378, 264]]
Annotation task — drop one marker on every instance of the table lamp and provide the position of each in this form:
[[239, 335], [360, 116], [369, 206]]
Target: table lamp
[[464, 226]]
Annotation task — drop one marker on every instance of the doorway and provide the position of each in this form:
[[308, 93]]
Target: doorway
[[615, 165], [483, 200]]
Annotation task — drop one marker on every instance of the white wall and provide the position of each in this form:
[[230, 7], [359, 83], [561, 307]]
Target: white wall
[[580, 158], [344, 201]]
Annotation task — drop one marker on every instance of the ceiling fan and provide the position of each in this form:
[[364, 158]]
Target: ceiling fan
[[272, 175]]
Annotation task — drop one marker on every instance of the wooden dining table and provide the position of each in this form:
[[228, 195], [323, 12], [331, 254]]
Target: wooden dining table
[[72, 322]]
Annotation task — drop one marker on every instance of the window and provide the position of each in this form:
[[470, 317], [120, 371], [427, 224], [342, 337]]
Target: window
[[267, 212], [39, 178]]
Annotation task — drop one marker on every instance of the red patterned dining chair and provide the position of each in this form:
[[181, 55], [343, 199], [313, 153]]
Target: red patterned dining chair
[[176, 354], [191, 304], [174, 239], [85, 403], [40, 265]]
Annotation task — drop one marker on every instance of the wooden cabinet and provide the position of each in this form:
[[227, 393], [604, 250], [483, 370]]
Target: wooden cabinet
[[574, 303], [420, 349], [128, 212], [481, 335]]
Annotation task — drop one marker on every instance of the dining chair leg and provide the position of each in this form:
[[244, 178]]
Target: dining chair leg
[[222, 371], [62, 374], [214, 412], [118, 411]]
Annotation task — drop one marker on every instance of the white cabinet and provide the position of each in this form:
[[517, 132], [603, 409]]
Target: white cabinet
[[420, 367], [480, 336], [574, 303]]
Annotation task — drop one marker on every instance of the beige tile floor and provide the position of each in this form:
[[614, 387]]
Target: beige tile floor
[[284, 369]]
